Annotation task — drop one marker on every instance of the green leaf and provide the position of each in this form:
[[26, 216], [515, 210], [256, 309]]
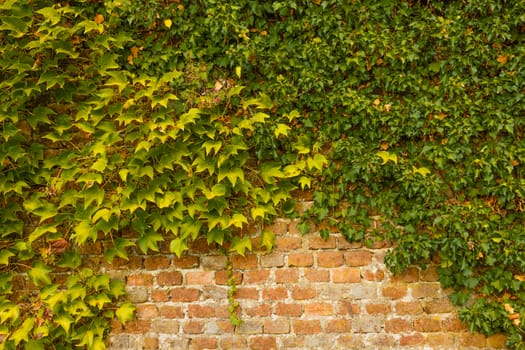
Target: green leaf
[[9, 311], [42, 230], [281, 129], [16, 25], [98, 300], [318, 161], [118, 249], [70, 259], [238, 220], [39, 274], [267, 239], [232, 174], [64, 320], [5, 254], [240, 245], [236, 90], [50, 15], [270, 171], [178, 246], [149, 241], [125, 312], [22, 333], [84, 231]]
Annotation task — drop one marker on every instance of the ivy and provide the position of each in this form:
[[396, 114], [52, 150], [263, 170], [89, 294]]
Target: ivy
[[196, 119]]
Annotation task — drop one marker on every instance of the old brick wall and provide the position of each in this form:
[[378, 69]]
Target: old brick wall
[[306, 294]]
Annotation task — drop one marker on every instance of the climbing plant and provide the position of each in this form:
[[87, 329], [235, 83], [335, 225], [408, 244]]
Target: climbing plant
[[138, 122]]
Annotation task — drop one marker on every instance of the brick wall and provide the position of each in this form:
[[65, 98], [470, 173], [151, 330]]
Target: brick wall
[[306, 294]]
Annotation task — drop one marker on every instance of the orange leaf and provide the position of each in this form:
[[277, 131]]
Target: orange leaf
[[502, 59], [99, 19]]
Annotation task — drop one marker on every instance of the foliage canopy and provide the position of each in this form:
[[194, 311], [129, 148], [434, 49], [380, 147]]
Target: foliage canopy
[[176, 120]]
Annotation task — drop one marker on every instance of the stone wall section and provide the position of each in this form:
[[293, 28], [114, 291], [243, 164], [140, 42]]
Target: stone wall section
[[307, 293]]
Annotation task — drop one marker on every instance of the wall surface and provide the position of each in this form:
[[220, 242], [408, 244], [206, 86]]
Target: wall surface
[[306, 294]]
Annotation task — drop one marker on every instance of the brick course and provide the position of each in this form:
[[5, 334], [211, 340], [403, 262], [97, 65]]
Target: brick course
[[308, 293]]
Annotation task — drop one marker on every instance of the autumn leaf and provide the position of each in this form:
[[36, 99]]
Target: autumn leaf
[[99, 19], [502, 59], [168, 23]]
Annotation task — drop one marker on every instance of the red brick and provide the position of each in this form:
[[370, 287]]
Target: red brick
[[397, 325], [475, 340], [234, 342], [186, 262], [185, 294], [425, 290], [202, 246], [412, 339], [244, 262], [272, 260], [222, 277], [306, 326], [287, 276], [276, 326], [374, 275], [247, 293], [439, 306], [132, 263], [394, 291], [90, 248], [169, 278], [137, 326], [427, 324], [160, 295], [292, 227], [440, 340], [169, 311], [147, 311], [287, 243], [263, 343], [430, 274], [256, 277], [225, 326], [275, 293], [302, 293], [378, 308], [259, 311], [203, 278], [300, 259], [411, 274], [319, 243], [200, 311], [497, 341], [329, 259], [291, 310], [156, 262], [193, 327], [338, 326], [346, 275], [221, 311], [279, 227], [318, 309], [343, 244], [358, 258], [408, 308], [140, 280], [202, 343], [453, 324], [214, 262], [316, 275]]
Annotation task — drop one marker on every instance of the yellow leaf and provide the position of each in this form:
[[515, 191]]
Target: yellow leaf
[[422, 171], [168, 23], [508, 308], [238, 71], [386, 156]]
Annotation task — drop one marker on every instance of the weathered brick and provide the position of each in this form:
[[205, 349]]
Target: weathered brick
[[141, 279], [235, 342], [319, 243], [193, 327], [374, 275], [318, 309], [412, 339], [291, 310], [394, 291], [301, 259], [408, 308], [287, 276], [169, 278], [259, 311], [137, 326], [222, 277], [200, 311], [440, 340], [274, 293], [424, 290], [350, 341], [453, 324], [348, 308], [201, 343], [303, 293], [317, 275], [329, 259], [256, 276], [427, 324], [343, 244], [147, 311], [250, 327], [284, 244], [151, 343], [164, 326], [263, 343], [137, 294], [214, 262], [276, 326], [279, 227], [338, 326], [410, 275], [185, 294], [398, 325], [497, 341], [293, 342], [272, 260], [358, 258], [384, 341], [378, 308], [185, 262], [368, 324], [200, 277], [473, 340], [438, 306], [247, 293], [170, 311], [346, 275], [429, 274], [306, 326], [244, 262], [224, 326], [156, 262]]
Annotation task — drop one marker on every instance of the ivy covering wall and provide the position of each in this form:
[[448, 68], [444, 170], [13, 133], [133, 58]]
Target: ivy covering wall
[[177, 119]]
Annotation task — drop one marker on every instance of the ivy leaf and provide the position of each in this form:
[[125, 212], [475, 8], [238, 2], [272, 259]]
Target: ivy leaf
[[305, 181], [240, 245], [386, 157], [9, 311], [64, 320], [98, 300], [318, 161], [149, 241], [70, 259], [5, 254], [125, 312], [236, 90], [84, 231], [39, 274], [238, 220], [281, 129], [422, 171], [267, 240], [22, 333], [270, 171], [178, 246]]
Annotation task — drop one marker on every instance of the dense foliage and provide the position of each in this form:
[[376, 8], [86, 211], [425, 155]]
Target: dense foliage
[[184, 119]]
